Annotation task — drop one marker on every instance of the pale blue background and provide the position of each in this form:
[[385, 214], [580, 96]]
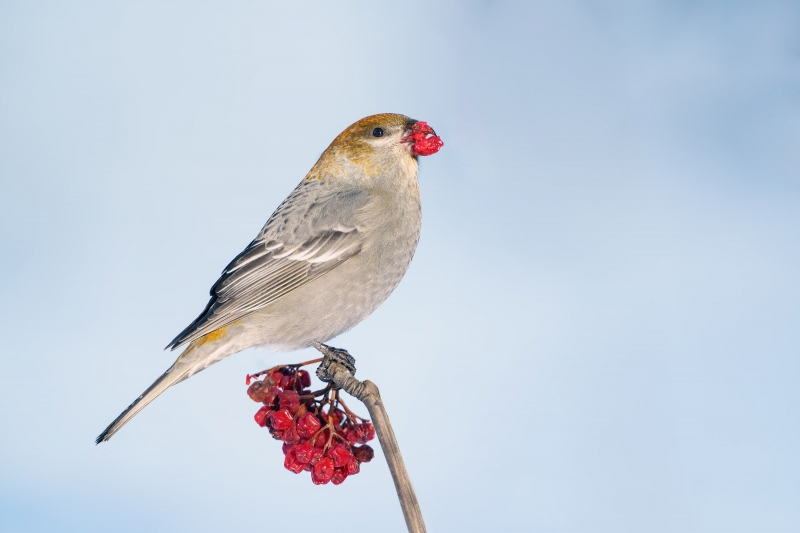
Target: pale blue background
[[599, 332]]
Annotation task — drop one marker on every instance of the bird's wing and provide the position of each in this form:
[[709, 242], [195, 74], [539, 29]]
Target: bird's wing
[[312, 232]]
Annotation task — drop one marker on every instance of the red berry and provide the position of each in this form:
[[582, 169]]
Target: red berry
[[341, 455], [290, 435], [290, 400], [271, 397], [424, 145], [291, 462], [316, 455], [364, 453], [324, 469], [262, 415], [304, 451], [287, 383], [353, 467], [317, 480], [339, 475], [258, 391], [351, 434], [304, 378], [275, 377], [307, 425], [366, 432], [321, 439], [281, 419]]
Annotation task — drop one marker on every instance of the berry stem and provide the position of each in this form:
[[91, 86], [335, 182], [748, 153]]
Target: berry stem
[[296, 365], [311, 362], [368, 393], [347, 409], [314, 394]]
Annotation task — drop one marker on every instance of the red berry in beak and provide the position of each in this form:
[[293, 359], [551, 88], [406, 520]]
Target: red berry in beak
[[422, 143]]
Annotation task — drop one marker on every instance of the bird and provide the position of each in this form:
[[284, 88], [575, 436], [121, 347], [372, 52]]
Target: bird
[[330, 254]]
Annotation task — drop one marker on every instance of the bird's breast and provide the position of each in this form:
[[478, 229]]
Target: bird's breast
[[393, 219]]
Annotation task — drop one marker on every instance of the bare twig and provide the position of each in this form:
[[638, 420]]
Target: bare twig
[[368, 393]]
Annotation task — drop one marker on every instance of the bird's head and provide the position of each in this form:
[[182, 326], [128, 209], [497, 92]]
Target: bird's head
[[378, 141], [389, 131]]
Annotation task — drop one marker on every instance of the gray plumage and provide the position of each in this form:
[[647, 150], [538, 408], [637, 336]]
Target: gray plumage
[[331, 253], [311, 233]]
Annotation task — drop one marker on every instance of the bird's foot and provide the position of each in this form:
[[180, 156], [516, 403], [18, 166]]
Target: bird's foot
[[333, 355]]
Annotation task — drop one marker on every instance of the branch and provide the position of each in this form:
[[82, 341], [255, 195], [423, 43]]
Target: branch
[[367, 392]]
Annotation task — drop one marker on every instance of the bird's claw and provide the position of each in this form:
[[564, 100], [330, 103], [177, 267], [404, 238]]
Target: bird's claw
[[333, 355]]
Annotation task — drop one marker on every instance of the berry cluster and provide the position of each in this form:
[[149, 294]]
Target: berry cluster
[[319, 433]]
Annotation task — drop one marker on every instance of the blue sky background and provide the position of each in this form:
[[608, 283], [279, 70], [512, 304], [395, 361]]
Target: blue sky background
[[599, 331]]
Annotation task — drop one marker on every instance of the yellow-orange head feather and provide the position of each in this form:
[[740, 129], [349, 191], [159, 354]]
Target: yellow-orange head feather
[[371, 144]]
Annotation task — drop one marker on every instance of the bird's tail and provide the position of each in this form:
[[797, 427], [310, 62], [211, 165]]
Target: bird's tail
[[180, 370]]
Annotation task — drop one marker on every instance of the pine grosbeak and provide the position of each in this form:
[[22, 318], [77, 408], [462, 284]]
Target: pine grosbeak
[[330, 254]]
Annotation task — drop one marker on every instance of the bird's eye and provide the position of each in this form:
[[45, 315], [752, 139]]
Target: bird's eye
[[377, 132]]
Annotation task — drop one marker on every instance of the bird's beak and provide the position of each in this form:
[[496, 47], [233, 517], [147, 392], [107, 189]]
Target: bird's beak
[[421, 129]]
